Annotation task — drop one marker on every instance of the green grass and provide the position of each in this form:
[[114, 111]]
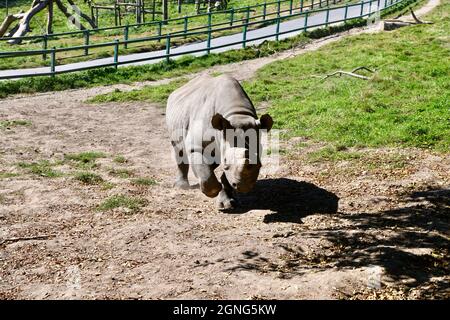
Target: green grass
[[121, 201], [88, 178], [145, 181], [406, 103], [85, 160], [120, 159], [42, 168], [13, 123]]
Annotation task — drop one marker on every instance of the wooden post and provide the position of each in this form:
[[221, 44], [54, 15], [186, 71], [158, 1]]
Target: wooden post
[[153, 10], [116, 20], [165, 10]]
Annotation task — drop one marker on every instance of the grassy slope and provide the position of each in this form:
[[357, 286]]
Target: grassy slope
[[406, 102], [106, 76]]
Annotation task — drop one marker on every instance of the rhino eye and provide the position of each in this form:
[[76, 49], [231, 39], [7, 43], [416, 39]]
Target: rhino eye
[[227, 167]]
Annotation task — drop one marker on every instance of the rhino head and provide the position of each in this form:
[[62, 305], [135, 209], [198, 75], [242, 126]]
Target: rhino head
[[240, 148]]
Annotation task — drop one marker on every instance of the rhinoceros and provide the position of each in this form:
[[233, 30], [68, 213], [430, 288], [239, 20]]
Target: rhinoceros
[[211, 121]]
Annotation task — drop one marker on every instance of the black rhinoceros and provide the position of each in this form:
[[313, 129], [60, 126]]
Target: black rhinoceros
[[212, 121]]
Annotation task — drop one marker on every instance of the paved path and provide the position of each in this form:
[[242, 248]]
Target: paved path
[[316, 19]]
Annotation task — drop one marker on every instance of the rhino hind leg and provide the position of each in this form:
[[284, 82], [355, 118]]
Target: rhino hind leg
[[225, 200]]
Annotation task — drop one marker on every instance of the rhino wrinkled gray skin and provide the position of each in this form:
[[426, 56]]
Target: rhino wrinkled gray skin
[[211, 121]]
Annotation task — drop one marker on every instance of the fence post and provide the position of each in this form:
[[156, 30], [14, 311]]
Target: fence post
[[168, 48], [53, 61], [231, 17], [44, 46], [86, 42], [327, 17], [244, 36], [312, 4], [116, 52], [278, 8], [278, 29], [362, 9], [125, 36], [290, 7], [247, 15], [264, 11], [301, 5], [306, 22], [159, 30], [208, 42], [185, 25], [346, 13]]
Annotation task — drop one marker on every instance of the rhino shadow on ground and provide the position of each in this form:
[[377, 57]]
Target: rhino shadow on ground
[[290, 200], [409, 243]]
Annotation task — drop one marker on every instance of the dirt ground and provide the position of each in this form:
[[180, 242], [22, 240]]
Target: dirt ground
[[370, 227]]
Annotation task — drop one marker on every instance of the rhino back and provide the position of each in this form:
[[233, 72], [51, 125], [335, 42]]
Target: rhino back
[[198, 100]]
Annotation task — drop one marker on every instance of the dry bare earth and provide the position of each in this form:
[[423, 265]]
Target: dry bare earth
[[292, 239]]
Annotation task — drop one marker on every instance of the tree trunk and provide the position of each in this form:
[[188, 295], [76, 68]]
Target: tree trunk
[[165, 9], [24, 24], [7, 22], [50, 17]]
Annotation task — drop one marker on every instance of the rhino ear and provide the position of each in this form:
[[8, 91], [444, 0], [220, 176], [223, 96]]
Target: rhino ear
[[219, 122], [266, 122]]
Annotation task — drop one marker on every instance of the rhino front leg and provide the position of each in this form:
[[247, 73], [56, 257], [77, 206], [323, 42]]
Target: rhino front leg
[[226, 201], [182, 176], [181, 180], [209, 184]]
